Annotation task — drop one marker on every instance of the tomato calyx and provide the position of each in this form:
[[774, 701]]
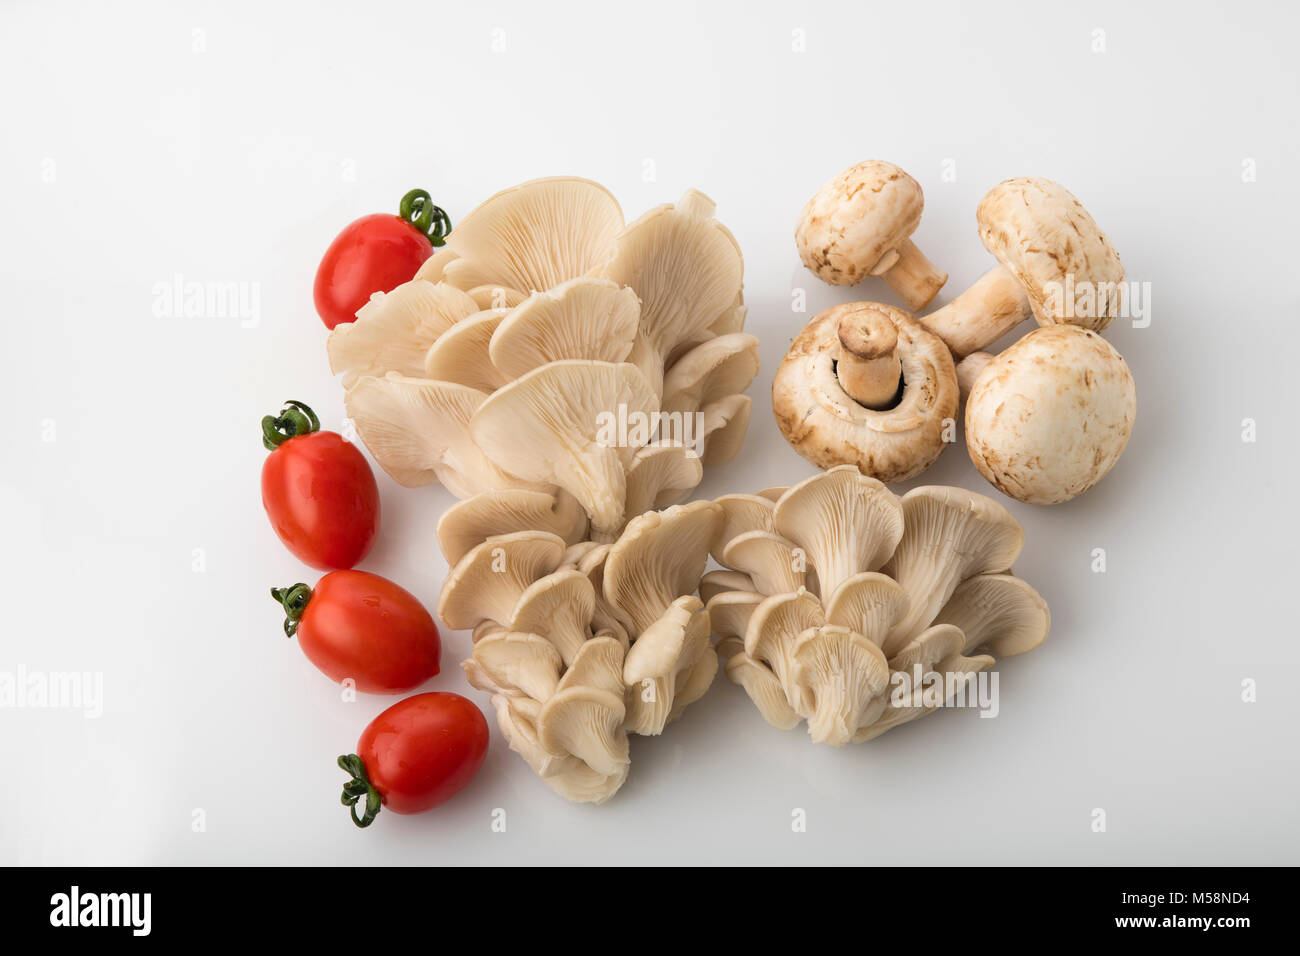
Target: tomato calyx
[[294, 601], [294, 419], [430, 221], [356, 788]]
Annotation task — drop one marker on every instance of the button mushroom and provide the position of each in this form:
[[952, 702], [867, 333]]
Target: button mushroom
[[858, 225], [865, 384], [1046, 244], [1050, 416]]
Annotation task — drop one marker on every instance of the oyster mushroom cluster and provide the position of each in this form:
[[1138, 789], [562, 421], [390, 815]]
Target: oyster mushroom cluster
[[550, 348], [582, 644], [835, 585]]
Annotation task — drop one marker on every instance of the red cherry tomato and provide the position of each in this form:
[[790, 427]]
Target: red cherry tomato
[[359, 625], [415, 755], [318, 491], [377, 253]]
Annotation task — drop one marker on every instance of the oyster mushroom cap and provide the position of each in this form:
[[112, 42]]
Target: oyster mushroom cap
[[547, 426], [770, 560], [515, 664], [669, 666], [721, 581], [868, 603], [487, 583], [565, 774], [659, 557], [1041, 234], [598, 665], [936, 650], [469, 523], [859, 223], [710, 371], [534, 236], [740, 513], [725, 422], [774, 627], [418, 432], [730, 612], [949, 535], [686, 269], [584, 318], [496, 297], [842, 677], [584, 716], [558, 606], [826, 425], [998, 612], [394, 330], [764, 689], [774, 493], [1050, 416], [461, 353], [844, 521], [661, 475]]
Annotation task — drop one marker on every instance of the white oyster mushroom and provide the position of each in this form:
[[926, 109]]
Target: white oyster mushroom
[[774, 627], [565, 774], [547, 427], [659, 557], [661, 475], [769, 559], [585, 715], [560, 606], [842, 677], [687, 271], [999, 612], [949, 535], [868, 603], [515, 663], [712, 370], [730, 612], [935, 651], [723, 580], [725, 422], [461, 353], [534, 236], [584, 318], [394, 330], [670, 665], [763, 689], [844, 521], [469, 523], [418, 432], [488, 582], [740, 513]]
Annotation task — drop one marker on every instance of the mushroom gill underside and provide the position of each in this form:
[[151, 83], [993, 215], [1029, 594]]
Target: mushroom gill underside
[[871, 610]]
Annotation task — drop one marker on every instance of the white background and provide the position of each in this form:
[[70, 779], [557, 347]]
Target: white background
[[231, 141]]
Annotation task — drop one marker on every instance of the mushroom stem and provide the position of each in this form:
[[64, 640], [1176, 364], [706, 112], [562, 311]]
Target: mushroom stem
[[981, 315], [868, 367], [914, 277], [969, 369]]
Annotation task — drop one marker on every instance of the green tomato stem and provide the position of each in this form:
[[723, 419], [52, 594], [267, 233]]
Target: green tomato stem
[[294, 419], [356, 788], [431, 221], [294, 601]]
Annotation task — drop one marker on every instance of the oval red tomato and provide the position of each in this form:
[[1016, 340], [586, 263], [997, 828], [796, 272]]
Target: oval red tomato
[[318, 490], [376, 253], [415, 755], [358, 625]]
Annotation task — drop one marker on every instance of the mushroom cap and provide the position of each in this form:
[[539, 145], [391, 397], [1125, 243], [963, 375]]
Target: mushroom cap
[[418, 432], [547, 424], [469, 523], [730, 612], [565, 774], [770, 560], [764, 689], [949, 535], [394, 331], [669, 666], [725, 423], [721, 581], [844, 521], [559, 607], [740, 513], [515, 663], [534, 236], [584, 318], [999, 612], [867, 603], [1039, 232], [659, 557], [857, 218], [774, 627], [487, 583], [841, 677], [661, 475], [825, 425], [1050, 416], [461, 353], [710, 371], [687, 271]]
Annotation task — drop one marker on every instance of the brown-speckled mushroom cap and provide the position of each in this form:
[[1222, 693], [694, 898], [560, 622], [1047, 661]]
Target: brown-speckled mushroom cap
[[824, 423], [1050, 416], [1039, 232]]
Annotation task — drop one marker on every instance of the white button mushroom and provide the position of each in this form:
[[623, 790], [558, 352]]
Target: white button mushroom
[[864, 384], [1055, 264], [1050, 416], [858, 225]]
